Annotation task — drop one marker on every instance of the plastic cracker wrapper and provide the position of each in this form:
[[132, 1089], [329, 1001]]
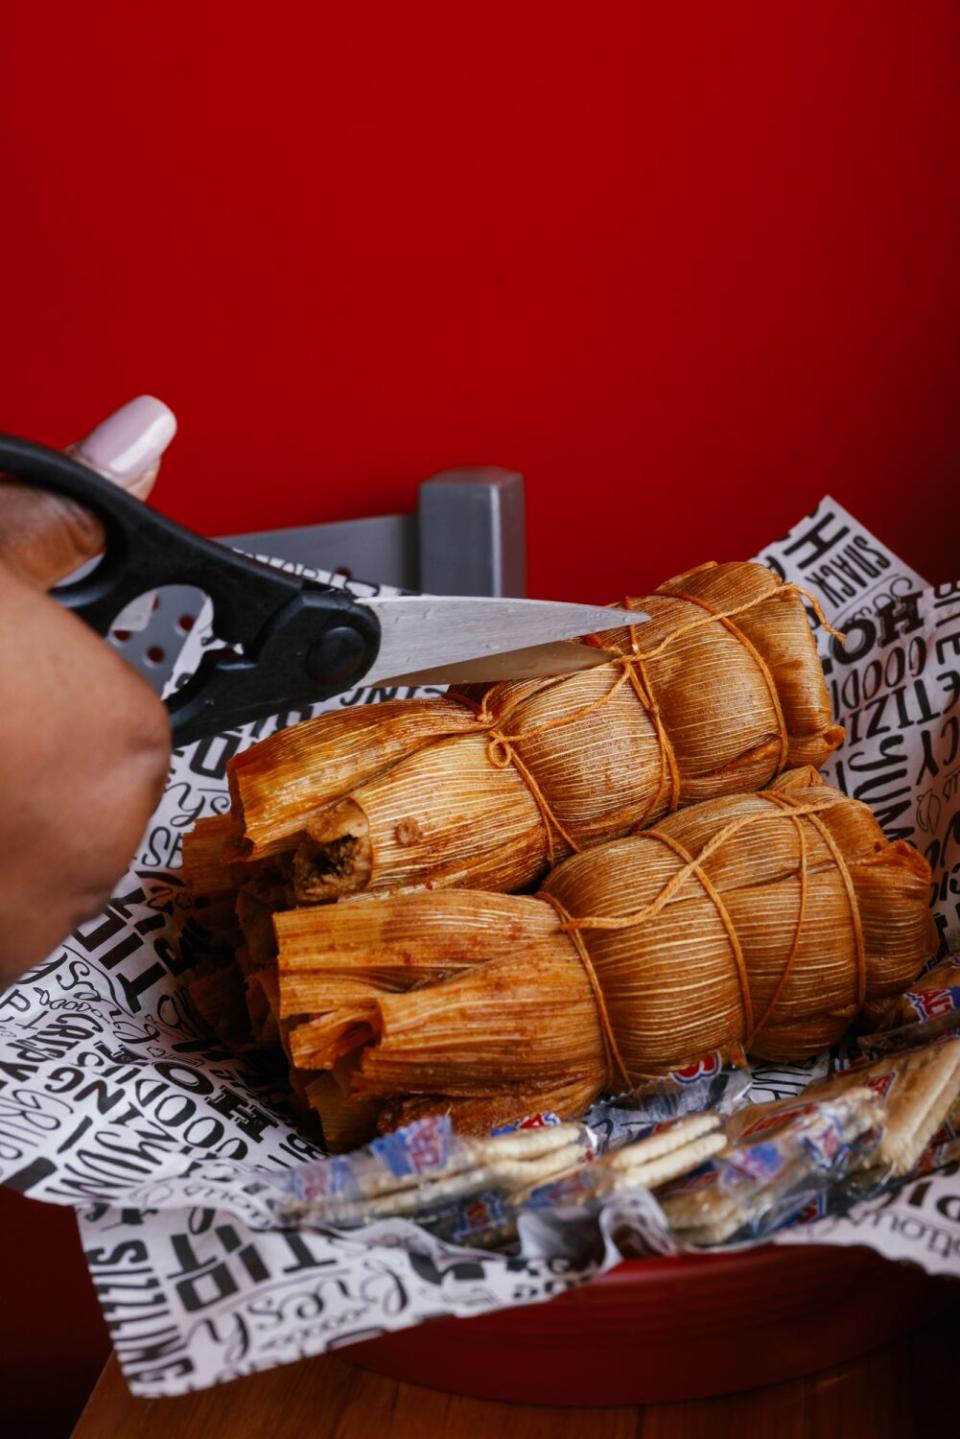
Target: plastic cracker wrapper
[[934, 995], [944, 1145], [918, 1091], [860, 1049], [181, 1155], [781, 1162], [919, 1088], [712, 1083], [425, 1169], [653, 1157], [472, 1191]]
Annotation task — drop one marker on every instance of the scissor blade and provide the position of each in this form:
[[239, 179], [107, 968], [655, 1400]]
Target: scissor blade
[[563, 657], [430, 634]]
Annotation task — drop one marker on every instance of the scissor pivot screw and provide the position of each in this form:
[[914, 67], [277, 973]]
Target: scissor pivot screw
[[337, 656]]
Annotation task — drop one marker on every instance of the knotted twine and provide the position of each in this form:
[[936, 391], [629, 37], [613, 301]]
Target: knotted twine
[[692, 867], [501, 746]]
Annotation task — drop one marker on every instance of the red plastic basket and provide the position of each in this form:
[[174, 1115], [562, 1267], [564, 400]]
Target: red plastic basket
[[660, 1330]]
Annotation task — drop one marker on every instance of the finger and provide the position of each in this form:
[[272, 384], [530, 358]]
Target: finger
[[128, 445], [84, 752], [44, 537]]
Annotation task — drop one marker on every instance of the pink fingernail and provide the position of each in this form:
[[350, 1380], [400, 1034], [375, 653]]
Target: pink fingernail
[[130, 441]]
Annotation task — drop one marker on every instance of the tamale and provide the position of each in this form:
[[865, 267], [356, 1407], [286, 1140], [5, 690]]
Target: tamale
[[269, 1031], [206, 855], [486, 787], [763, 920], [346, 1123], [263, 1007], [218, 997]]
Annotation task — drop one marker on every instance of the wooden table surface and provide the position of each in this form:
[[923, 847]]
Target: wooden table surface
[[895, 1393]]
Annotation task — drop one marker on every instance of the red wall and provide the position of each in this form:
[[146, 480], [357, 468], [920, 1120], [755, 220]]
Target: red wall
[[687, 267]]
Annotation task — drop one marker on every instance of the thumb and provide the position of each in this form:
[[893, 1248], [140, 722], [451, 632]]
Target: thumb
[[44, 537]]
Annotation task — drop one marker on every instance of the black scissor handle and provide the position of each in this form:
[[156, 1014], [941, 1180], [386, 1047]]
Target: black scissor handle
[[144, 550], [301, 641]]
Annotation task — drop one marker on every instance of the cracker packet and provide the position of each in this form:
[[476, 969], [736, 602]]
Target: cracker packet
[[660, 1153], [426, 1168], [718, 1082], [933, 995], [943, 1147], [862, 1049], [920, 1092], [779, 1160], [655, 1154], [920, 1088], [472, 1191]]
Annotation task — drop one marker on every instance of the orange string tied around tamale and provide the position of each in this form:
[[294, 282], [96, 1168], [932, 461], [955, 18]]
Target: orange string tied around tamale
[[611, 1050], [676, 881], [759, 661], [798, 930], [692, 867], [730, 614], [859, 941], [501, 751], [669, 769], [501, 754]]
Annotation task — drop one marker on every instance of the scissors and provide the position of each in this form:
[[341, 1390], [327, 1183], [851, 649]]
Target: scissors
[[290, 641]]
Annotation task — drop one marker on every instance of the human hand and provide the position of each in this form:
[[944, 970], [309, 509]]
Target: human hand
[[84, 741]]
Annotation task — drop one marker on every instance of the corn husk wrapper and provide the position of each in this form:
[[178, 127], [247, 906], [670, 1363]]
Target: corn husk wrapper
[[488, 787], [760, 920], [206, 852]]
